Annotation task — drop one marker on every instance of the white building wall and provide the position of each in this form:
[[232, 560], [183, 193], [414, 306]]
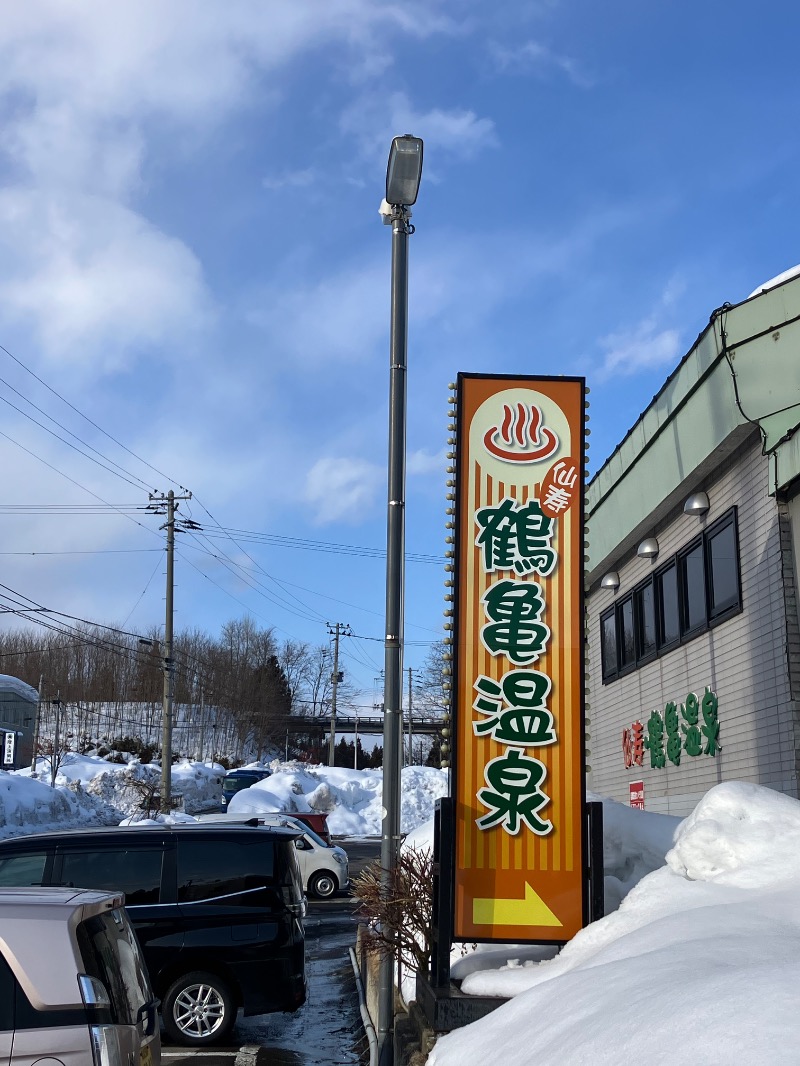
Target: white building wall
[[743, 660]]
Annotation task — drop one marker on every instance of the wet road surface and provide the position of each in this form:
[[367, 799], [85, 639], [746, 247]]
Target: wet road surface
[[327, 1030]]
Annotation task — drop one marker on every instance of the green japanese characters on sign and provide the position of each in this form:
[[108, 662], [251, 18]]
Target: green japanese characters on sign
[[675, 731], [515, 536]]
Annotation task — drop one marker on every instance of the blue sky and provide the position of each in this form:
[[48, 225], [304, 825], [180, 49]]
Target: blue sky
[[191, 256]]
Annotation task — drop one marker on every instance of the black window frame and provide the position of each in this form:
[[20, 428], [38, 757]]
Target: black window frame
[[712, 615], [662, 642], [691, 629], [731, 606], [644, 655]]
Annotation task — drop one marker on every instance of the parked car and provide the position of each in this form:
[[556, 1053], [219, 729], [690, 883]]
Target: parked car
[[73, 984], [316, 821], [218, 910], [324, 867], [235, 780]]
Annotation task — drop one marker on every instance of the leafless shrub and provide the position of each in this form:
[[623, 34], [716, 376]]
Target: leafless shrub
[[398, 915]]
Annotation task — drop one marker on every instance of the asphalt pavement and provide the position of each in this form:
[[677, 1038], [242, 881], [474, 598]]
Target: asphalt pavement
[[327, 1030]]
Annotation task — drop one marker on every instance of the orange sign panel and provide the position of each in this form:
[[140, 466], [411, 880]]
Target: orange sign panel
[[519, 712]]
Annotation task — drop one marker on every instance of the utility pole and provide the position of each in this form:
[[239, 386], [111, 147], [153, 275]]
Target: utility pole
[[411, 672], [36, 726], [54, 759], [337, 630], [169, 502], [202, 721], [410, 705]]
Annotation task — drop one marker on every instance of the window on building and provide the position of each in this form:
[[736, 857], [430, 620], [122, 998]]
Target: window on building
[[645, 612], [608, 639], [722, 563], [692, 576], [699, 587], [626, 635], [669, 620]]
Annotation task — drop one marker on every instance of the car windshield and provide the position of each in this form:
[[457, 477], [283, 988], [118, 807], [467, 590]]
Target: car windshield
[[236, 784], [310, 833]]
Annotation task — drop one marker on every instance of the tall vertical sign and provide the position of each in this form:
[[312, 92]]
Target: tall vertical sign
[[519, 783]]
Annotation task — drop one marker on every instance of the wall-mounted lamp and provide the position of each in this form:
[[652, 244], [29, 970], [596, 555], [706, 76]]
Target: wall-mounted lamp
[[648, 549], [610, 580], [697, 504]]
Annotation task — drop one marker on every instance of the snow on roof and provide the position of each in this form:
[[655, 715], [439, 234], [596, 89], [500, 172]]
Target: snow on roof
[[13, 684], [787, 275]]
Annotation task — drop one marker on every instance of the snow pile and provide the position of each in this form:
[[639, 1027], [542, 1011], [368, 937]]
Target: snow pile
[[27, 805], [699, 965], [634, 844], [352, 799], [115, 790]]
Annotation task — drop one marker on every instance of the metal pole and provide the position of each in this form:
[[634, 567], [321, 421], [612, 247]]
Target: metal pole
[[166, 722], [395, 558]]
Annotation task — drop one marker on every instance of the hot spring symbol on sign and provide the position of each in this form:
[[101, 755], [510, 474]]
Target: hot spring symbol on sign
[[521, 436]]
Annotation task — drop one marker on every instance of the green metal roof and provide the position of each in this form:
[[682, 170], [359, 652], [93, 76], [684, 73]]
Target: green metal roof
[[742, 375]]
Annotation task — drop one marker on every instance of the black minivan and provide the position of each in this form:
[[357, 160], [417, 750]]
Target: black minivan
[[218, 910]]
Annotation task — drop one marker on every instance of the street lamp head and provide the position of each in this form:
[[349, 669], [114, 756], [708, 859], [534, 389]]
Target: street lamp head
[[404, 171]]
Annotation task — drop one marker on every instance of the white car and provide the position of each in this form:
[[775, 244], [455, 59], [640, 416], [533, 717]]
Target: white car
[[324, 867]]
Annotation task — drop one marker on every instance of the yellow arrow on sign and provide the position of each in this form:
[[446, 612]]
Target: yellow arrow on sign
[[532, 910]]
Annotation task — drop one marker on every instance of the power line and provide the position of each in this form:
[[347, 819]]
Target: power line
[[87, 419], [126, 475]]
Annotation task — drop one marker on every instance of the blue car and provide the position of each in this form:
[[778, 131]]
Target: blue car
[[236, 780]]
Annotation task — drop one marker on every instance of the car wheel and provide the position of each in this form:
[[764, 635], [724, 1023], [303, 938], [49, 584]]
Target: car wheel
[[198, 1009], [323, 885]]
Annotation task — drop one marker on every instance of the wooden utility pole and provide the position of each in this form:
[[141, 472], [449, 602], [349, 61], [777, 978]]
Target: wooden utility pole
[[36, 726], [336, 631], [169, 502]]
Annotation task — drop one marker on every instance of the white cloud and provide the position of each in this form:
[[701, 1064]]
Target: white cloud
[[342, 489], [84, 269], [374, 121], [647, 344], [340, 318], [290, 179], [533, 57], [642, 347], [84, 86], [421, 463]]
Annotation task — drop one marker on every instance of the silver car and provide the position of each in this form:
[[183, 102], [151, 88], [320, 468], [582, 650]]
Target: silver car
[[73, 986]]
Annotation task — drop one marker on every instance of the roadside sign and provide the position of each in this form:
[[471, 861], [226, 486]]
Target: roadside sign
[[637, 794], [9, 748], [518, 714]]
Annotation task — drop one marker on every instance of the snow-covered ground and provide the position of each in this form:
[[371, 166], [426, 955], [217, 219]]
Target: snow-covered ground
[[696, 962], [699, 965]]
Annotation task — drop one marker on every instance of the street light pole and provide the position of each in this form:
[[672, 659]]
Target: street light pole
[[402, 183]]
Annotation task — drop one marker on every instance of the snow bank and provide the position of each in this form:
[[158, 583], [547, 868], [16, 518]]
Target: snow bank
[[699, 965], [352, 799]]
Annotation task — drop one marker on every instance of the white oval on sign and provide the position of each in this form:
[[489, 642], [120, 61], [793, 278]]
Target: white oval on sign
[[384, 813]]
